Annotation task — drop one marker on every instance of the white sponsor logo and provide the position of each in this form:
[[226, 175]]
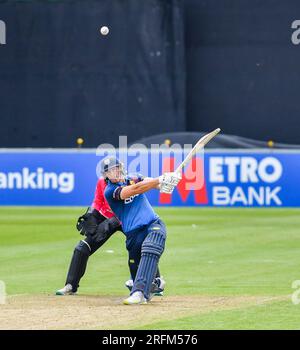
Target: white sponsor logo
[[246, 171], [261, 196], [38, 180], [2, 33], [130, 199]]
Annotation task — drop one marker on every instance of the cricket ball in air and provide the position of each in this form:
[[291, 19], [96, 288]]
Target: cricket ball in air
[[104, 30]]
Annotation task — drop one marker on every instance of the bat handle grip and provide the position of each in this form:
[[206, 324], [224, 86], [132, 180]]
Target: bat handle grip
[[179, 169]]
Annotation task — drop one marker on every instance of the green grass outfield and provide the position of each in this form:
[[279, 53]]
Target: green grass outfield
[[209, 252]]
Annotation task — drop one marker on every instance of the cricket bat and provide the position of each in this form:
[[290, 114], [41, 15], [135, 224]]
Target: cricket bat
[[199, 145]]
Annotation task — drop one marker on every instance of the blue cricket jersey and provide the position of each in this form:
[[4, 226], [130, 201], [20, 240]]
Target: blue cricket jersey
[[134, 212]]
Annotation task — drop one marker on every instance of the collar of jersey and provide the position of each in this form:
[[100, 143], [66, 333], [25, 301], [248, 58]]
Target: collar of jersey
[[118, 183]]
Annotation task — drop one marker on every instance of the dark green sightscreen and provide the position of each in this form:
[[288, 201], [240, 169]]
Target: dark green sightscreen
[[61, 79]]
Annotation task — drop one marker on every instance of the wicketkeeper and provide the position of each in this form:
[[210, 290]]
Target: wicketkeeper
[[98, 224]]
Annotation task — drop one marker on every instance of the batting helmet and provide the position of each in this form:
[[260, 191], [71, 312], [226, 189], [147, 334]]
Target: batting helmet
[[109, 163]]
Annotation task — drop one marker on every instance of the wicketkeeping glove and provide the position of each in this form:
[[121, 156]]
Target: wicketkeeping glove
[[106, 228], [88, 222]]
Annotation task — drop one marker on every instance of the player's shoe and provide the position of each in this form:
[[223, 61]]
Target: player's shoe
[[129, 284], [135, 299], [67, 290], [158, 287]]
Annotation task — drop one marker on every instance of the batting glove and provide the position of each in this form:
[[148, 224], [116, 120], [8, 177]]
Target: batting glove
[[168, 181]]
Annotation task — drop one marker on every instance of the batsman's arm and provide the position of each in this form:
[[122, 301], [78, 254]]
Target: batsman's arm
[[151, 178], [139, 188]]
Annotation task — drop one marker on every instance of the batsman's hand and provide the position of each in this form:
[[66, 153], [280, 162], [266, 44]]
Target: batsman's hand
[[164, 188], [172, 178], [168, 181]]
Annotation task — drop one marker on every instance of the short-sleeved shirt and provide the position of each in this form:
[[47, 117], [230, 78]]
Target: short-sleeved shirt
[[134, 212], [100, 203]]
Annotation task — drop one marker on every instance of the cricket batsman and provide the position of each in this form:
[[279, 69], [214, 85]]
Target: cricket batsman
[[145, 231]]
